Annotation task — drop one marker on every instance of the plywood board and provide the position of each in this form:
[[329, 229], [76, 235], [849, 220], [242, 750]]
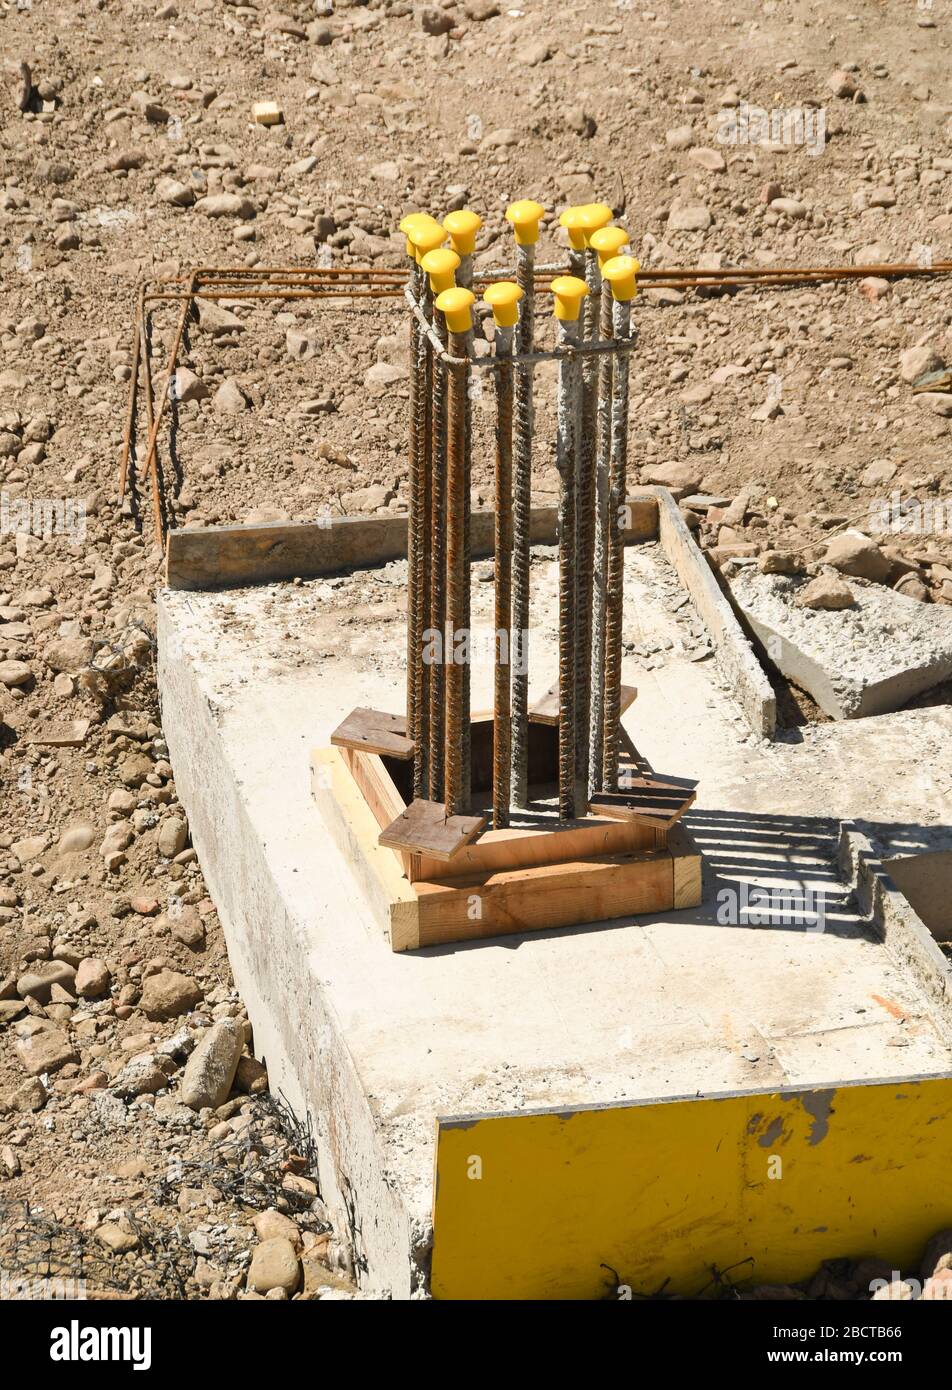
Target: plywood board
[[425, 828], [629, 1199], [546, 710], [374, 731]]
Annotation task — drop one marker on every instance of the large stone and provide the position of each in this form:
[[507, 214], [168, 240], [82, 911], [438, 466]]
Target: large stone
[[916, 361], [167, 994], [30, 848], [688, 216], [856, 554], [92, 978], [680, 478], [210, 1070], [274, 1265], [14, 673], [70, 654], [171, 837], [272, 1225], [226, 205], [216, 320], [76, 838], [44, 1048], [186, 386], [229, 399], [37, 982], [828, 592]]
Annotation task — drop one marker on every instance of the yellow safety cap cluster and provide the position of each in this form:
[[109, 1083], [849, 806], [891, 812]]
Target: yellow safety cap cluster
[[462, 227], [457, 307], [569, 292], [525, 217], [573, 220], [594, 217], [503, 298], [621, 273], [608, 241], [441, 266]]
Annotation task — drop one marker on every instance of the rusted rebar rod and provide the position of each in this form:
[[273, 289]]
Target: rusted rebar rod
[[438, 525], [133, 387], [614, 602], [569, 292], [150, 458], [600, 559], [524, 216], [522, 509], [417, 465], [457, 580], [502, 743]]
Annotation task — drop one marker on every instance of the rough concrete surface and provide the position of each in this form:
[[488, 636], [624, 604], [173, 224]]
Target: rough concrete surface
[[376, 1045], [867, 659]]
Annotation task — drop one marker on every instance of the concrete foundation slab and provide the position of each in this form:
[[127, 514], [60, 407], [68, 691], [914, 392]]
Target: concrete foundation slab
[[868, 659], [375, 1045]]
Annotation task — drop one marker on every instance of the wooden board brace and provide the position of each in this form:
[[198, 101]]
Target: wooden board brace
[[373, 731], [425, 828], [546, 710], [657, 801]]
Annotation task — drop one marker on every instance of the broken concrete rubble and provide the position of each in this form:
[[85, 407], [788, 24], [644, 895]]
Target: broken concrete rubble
[[866, 658]]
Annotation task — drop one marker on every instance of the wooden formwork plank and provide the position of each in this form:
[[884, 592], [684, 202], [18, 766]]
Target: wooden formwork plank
[[208, 557], [553, 895], [498, 851], [686, 867], [353, 828]]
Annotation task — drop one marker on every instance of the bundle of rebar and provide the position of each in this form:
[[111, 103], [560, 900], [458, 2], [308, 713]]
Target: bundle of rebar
[[591, 448]]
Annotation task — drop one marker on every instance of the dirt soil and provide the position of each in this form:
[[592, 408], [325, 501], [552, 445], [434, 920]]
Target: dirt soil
[[128, 153]]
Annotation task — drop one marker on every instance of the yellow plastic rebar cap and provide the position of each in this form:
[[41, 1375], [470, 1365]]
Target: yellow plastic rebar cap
[[426, 236], [441, 266], [594, 217], [621, 273], [411, 224], [462, 227], [569, 292], [457, 307], [573, 220], [608, 241], [525, 217], [503, 298]]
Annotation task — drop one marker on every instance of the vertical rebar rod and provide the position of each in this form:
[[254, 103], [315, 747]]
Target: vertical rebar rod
[[424, 667], [133, 388], [614, 611], [464, 278], [457, 579], [585, 510], [438, 571], [415, 534], [600, 565], [522, 503], [466, 342], [502, 749], [151, 459], [566, 439]]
